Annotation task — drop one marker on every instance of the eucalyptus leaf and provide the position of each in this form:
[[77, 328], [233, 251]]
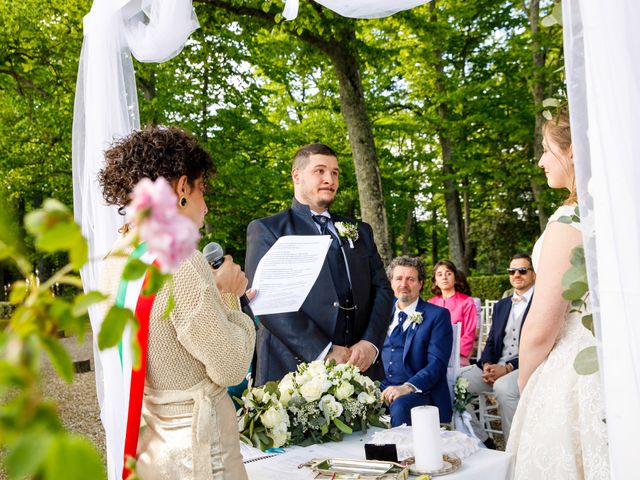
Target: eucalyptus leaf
[[586, 362], [575, 291], [577, 258], [573, 275], [587, 321], [60, 358], [113, 325], [342, 426]]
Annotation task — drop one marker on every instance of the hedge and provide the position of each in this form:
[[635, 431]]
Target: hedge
[[487, 287]]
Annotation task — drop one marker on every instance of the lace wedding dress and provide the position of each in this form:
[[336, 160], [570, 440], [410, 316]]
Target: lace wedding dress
[[558, 431]]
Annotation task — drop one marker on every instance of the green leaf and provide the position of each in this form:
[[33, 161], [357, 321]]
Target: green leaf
[[587, 321], [134, 269], [60, 236], [83, 301], [59, 357], [342, 426], [547, 115], [557, 12], [576, 290], [586, 361], [72, 457], [550, 102], [79, 252], [156, 280], [113, 325], [577, 258], [19, 292], [26, 454]]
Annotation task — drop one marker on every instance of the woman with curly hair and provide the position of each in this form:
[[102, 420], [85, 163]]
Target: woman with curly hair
[[451, 291], [206, 344]]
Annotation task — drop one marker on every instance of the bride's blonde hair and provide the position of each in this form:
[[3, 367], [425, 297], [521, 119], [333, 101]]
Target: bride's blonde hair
[[559, 130]]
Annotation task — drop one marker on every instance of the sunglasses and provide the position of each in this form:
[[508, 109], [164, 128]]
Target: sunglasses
[[521, 271]]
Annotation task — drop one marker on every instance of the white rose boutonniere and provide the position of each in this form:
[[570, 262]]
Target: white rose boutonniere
[[415, 318], [348, 231]]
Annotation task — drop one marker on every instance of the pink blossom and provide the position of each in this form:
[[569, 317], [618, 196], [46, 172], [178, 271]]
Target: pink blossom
[[169, 235]]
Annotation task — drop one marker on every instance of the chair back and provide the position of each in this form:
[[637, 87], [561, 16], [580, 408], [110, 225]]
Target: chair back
[[453, 369], [486, 316]]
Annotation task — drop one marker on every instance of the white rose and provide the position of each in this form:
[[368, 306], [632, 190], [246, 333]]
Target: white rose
[[367, 398], [258, 393], [285, 397], [344, 390], [272, 417], [330, 407], [305, 377], [317, 368], [279, 438], [312, 390]]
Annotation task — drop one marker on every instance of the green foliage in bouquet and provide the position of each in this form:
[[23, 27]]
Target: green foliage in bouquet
[[461, 395], [318, 403]]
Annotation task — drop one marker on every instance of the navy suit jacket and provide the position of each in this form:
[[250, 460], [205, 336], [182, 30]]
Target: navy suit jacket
[[427, 349], [495, 340], [287, 339]]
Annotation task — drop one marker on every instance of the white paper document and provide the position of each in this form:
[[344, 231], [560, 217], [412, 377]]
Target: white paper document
[[285, 465], [287, 272]]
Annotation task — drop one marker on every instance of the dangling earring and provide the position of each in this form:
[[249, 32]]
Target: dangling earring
[[182, 202]]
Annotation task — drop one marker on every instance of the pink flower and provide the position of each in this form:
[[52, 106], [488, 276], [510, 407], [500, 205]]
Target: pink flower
[[171, 236]]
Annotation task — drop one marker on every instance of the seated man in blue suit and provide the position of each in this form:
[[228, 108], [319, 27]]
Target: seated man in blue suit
[[417, 347]]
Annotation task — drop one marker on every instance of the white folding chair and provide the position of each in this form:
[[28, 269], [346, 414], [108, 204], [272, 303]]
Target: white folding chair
[[487, 406]]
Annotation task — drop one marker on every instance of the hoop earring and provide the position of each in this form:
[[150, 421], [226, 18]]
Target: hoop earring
[[182, 202]]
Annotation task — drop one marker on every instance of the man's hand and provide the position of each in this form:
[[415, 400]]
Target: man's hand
[[339, 354], [230, 278], [494, 372], [392, 393], [363, 354]]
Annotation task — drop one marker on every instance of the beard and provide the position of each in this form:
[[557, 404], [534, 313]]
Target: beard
[[404, 298]]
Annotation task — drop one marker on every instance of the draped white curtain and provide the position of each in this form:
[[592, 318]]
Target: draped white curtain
[[106, 107], [357, 8], [602, 49]]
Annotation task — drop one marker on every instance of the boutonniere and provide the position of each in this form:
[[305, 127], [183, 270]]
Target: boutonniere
[[348, 231], [415, 318]]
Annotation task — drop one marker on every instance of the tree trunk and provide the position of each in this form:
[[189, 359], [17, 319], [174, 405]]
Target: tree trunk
[[365, 158], [455, 227], [537, 91], [434, 238]]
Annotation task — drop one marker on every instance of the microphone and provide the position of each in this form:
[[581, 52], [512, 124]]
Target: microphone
[[214, 253]]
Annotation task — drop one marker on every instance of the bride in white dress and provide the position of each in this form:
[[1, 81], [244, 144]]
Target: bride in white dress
[[558, 431]]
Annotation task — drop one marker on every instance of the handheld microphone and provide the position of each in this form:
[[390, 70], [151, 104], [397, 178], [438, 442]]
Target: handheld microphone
[[214, 253]]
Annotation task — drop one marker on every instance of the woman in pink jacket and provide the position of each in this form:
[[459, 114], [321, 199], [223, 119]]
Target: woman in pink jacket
[[452, 292]]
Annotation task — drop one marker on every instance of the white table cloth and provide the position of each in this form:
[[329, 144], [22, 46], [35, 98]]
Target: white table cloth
[[484, 464]]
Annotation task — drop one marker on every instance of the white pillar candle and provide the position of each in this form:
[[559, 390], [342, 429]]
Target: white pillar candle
[[427, 443]]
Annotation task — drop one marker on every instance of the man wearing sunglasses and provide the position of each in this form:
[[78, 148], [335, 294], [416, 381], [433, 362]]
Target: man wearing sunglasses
[[497, 369]]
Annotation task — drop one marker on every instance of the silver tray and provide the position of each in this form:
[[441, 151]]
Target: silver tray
[[450, 463], [346, 468]]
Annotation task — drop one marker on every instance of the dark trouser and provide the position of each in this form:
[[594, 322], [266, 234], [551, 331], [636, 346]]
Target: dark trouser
[[400, 408]]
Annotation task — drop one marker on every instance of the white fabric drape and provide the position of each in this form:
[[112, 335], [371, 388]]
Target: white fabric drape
[[357, 8], [106, 107], [602, 49]]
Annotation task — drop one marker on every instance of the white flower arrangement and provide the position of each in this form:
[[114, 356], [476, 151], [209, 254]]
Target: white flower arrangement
[[348, 231], [415, 317], [317, 403], [461, 395]]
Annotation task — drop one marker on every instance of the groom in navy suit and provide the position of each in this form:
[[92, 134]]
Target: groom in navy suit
[[417, 347], [346, 314]]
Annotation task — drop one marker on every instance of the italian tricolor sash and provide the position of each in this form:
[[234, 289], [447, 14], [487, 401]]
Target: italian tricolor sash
[[131, 295]]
